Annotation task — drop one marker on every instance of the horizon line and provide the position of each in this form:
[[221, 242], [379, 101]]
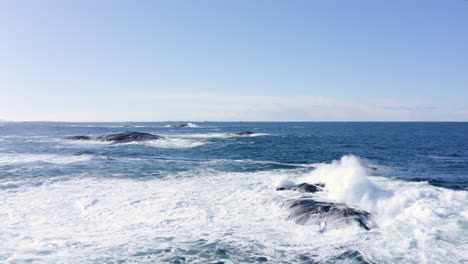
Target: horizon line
[[238, 121]]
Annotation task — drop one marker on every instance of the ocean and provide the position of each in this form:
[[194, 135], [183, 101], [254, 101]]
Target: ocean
[[203, 194]]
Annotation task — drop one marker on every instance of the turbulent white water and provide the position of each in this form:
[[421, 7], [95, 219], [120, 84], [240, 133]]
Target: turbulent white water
[[219, 135], [187, 125], [167, 142], [48, 158], [174, 143], [206, 214]]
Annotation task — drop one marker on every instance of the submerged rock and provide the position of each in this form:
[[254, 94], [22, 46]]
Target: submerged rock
[[128, 137], [326, 214], [304, 187], [77, 138]]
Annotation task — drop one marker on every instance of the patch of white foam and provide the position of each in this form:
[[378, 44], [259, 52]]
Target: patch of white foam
[[173, 143], [187, 125], [130, 126], [10, 158], [258, 135], [206, 135], [311, 165], [192, 125], [87, 143], [215, 135], [167, 142]]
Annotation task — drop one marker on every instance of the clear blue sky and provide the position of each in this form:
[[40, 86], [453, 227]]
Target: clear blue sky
[[234, 60]]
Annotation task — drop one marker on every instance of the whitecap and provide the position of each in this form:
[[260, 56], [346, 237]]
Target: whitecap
[[173, 143], [166, 142], [192, 125], [215, 135], [186, 125], [206, 135], [11, 158], [258, 135]]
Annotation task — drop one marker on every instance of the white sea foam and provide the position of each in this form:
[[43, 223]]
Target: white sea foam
[[258, 135], [173, 143], [93, 126], [137, 126], [215, 135], [192, 125], [206, 135], [12, 158], [87, 143], [91, 219], [187, 125], [310, 165], [167, 142]]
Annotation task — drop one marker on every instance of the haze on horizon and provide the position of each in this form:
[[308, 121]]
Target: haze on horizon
[[234, 60]]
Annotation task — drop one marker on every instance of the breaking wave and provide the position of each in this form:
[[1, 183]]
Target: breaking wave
[[348, 181], [216, 135], [11, 158], [173, 143], [186, 125]]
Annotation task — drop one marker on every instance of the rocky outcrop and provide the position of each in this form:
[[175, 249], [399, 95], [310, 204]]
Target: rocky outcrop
[[128, 137], [119, 137], [304, 187], [325, 214], [309, 210]]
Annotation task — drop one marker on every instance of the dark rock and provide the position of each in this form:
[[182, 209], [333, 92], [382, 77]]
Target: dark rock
[[180, 125], [306, 210], [119, 137], [304, 187], [128, 137], [244, 133], [77, 138]]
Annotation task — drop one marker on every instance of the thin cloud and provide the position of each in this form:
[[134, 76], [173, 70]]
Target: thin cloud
[[232, 107]]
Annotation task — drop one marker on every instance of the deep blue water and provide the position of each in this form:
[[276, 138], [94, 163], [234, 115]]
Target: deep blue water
[[202, 195], [433, 152]]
